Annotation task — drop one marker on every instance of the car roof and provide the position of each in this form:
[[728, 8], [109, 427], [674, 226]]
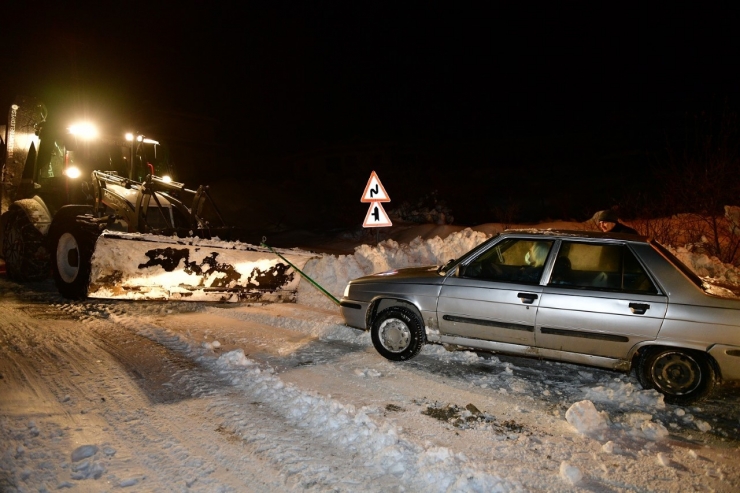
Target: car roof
[[565, 233]]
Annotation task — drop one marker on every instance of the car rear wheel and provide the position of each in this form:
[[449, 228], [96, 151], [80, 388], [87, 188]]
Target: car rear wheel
[[682, 376], [397, 334]]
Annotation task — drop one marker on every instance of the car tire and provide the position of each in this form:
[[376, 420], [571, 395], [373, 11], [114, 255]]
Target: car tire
[[72, 249], [397, 334], [24, 249], [682, 376]]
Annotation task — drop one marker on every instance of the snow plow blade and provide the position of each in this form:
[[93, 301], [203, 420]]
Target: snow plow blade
[[136, 266]]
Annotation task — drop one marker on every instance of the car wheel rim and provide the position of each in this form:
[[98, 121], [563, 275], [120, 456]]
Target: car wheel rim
[[394, 335], [676, 373], [68, 258]]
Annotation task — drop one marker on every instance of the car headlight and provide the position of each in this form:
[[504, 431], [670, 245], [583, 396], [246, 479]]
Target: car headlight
[[346, 291]]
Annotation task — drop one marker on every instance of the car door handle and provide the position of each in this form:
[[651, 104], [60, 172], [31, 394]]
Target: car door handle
[[639, 308], [527, 298]]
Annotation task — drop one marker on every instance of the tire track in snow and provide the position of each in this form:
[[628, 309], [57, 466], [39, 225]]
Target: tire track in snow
[[316, 466], [74, 382], [395, 458]]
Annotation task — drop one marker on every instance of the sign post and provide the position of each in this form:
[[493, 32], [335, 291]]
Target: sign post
[[375, 194]]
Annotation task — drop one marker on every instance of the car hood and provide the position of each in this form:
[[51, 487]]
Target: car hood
[[426, 275]]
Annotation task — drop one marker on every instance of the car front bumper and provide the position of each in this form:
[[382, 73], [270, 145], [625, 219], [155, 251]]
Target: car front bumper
[[354, 313]]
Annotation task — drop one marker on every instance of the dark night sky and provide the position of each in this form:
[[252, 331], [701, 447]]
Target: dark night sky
[[540, 88]]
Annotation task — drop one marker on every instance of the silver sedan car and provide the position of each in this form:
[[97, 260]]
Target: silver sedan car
[[607, 300]]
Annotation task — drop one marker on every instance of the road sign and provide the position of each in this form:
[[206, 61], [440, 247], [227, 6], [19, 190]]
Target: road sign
[[374, 191], [376, 217]]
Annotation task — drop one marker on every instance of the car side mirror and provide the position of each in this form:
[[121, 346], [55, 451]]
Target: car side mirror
[[443, 270]]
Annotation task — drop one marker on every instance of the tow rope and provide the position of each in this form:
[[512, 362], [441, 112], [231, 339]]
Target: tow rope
[[305, 276]]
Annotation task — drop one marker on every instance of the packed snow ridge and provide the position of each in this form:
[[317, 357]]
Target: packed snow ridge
[[334, 272]]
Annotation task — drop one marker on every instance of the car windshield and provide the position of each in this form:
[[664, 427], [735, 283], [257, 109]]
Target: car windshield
[[518, 260], [679, 265], [452, 263]]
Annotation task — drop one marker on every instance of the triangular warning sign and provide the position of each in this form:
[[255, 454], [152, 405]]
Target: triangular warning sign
[[374, 191], [376, 217]]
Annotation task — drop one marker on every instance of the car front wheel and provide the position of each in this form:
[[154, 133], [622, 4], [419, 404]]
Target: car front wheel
[[397, 334], [682, 376]]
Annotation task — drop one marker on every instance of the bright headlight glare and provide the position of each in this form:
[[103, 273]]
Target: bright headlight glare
[[72, 172], [346, 291], [84, 130], [166, 179]]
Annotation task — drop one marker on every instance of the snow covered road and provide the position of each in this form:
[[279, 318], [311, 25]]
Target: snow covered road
[[109, 395]]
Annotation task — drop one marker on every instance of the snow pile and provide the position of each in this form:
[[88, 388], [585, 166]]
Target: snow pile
[[584, 417], [626, 394], [611, 448], [458, 357], [710, 268], [334, 272], [641, 425], [367, 373], [570, 473], [703, 426], [653, 431], [663, 459]]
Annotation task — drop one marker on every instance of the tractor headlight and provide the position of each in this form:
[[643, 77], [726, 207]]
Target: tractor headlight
[[86, 131], [346, 291], [73, 172]]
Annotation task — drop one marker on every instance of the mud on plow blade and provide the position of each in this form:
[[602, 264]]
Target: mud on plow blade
[[138, 266]]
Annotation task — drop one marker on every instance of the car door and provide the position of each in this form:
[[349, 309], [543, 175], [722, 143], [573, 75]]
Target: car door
[[599, 300], [495, 296]]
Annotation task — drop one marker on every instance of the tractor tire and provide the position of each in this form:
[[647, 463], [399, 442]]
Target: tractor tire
[[72, 249], [24, 249]]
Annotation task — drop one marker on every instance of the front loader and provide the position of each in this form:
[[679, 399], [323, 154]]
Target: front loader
[[98, 217]]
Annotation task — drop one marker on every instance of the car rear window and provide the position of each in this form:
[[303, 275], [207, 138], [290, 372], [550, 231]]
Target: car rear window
[[678, 264]]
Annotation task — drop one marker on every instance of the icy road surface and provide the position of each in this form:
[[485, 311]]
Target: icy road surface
[[145, 396]]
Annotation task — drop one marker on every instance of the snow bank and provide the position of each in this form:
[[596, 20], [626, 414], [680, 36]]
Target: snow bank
[[708, 267], [334, 272]]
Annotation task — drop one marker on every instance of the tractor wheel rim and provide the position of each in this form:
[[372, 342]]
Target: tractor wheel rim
[[67, 252], [15, 249], [394, 335]]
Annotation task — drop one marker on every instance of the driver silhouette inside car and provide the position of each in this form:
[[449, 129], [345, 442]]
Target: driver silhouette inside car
[[535, 261]]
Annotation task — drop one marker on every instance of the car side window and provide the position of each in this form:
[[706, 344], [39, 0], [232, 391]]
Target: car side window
[[605, 267], [511, 260]]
